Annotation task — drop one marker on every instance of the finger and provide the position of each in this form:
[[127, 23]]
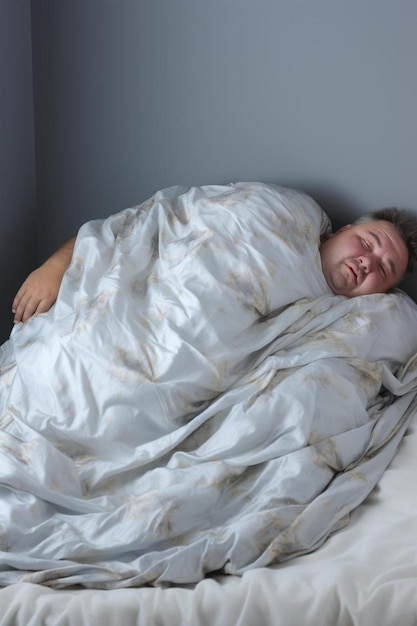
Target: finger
[[17, 299], [19, 310], [26, 309], [43, 306], [30, 309]]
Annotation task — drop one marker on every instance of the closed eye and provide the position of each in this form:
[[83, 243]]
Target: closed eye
[[383, 270], [390, 269]]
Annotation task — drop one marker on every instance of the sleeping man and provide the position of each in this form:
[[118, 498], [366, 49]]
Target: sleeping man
[[202, 396], [371, 256]]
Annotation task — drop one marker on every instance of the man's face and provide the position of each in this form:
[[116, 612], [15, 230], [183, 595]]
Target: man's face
[[365, 258]]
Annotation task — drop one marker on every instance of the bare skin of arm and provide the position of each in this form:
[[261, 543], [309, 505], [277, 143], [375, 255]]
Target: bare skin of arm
[[40, 289]]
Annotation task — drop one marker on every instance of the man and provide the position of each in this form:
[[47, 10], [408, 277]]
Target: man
[[370, 256], [197, 399]]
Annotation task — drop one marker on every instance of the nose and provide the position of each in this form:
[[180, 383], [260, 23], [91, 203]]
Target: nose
[[367, 263]]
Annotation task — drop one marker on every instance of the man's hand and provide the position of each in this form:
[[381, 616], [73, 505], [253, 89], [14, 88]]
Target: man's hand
[[37, 294], [40, 289]]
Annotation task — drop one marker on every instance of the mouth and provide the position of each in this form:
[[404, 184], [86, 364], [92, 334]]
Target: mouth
[[354, 270]]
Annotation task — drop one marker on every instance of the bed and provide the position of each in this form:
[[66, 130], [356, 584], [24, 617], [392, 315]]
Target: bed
[[263, 484]]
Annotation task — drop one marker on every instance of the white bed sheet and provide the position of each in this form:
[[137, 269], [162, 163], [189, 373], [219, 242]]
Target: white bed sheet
[[365, 574]]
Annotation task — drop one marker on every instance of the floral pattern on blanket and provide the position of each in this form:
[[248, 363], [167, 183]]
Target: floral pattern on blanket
[[196, 400]]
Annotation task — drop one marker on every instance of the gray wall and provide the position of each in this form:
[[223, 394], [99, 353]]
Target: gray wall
[[135, 95], [17, 155]]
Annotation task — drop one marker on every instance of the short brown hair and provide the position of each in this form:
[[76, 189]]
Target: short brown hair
[[405, 225]]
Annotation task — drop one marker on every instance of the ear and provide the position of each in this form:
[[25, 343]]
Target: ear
[[329, 235], [346, 227]]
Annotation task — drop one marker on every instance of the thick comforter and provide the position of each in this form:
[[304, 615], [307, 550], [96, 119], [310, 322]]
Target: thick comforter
[[196, 400]]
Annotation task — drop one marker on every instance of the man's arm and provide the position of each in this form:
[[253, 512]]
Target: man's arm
[[40, 289]]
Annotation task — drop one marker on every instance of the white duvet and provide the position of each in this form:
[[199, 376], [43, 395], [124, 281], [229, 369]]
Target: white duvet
[[197, 400]]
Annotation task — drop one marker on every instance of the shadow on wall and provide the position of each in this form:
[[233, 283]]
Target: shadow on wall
[[17, 257], [340, 207], [409, 285]]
